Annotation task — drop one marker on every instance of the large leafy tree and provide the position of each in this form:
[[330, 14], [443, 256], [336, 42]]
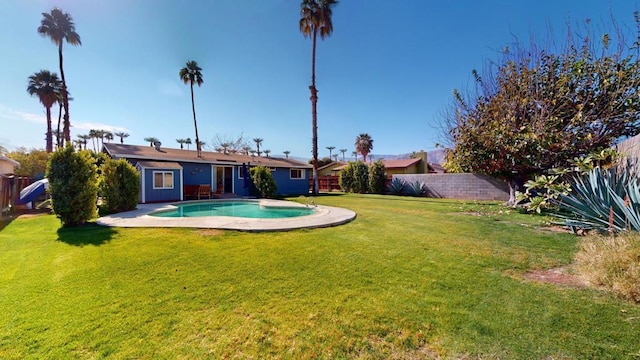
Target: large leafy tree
[[364, 145], [47, 87], [315, 19], [192, 74], [535, 110], [59, 27]]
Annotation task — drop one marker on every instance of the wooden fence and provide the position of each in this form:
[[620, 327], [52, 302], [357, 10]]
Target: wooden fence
[[10, 187], [330, 183]]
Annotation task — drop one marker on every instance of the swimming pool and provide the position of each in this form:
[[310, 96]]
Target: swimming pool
[[243, 209]]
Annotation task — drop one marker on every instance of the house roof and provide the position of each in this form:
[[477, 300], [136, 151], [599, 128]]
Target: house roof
[[15, 163], [179, 155], [400, 164], [159, 164], [333, 165]]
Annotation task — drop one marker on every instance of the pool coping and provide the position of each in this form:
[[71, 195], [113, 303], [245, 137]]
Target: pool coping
[[324, 217]]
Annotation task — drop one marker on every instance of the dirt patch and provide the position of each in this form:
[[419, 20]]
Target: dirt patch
[[559, 276], [210, 232]]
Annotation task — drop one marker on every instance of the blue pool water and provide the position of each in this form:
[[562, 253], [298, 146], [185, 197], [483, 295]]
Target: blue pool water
[[246, 209]]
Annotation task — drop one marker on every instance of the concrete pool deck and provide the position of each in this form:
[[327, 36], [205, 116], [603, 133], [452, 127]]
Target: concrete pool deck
[[325, 216]]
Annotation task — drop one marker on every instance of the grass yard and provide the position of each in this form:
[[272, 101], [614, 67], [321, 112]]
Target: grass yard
[[409, 278]]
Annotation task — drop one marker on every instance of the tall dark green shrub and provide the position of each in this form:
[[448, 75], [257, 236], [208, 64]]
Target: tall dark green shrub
[[119, 185], [346, 179], [73, 184], [360, 177], [377, 177], [263, 181]]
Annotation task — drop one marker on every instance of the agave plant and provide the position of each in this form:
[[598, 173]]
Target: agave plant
[[416, 188], [397, 186], [604, 200]]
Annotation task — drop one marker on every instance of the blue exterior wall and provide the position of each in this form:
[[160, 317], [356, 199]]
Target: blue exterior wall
[[196, 174], [288, 186], [161, 195]]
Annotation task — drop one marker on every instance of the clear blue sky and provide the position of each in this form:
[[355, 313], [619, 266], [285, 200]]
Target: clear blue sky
[[388, 69]]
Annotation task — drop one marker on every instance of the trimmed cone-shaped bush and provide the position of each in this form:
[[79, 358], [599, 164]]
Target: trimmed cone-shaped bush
[[120, 185], [263, 181], [73, 184], [346, 179], [377, 177]]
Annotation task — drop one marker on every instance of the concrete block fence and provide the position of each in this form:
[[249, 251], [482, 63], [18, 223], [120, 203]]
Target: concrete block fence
[[461, 186]]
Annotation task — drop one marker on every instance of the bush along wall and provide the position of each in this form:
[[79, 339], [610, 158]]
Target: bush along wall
[[119, 185]]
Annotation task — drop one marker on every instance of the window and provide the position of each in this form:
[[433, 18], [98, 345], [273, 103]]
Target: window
[[297, 174], [240, 174], [163, 179]]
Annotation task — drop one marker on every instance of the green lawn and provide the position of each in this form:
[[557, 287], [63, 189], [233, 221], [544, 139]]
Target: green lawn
[[409, 278]]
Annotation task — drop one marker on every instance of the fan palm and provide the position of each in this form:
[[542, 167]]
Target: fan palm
[[286, 153], [315, 18], [330, 148], [191, 74], [364, 145], [59, 27], [258, 142], [151, 140], [46, 86], [343, 151], [121, 135]]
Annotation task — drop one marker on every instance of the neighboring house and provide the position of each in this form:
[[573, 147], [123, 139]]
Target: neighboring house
[[173, 174], [7, 165], [332, 168]]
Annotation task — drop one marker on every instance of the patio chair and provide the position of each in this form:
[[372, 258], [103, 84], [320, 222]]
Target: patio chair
[[204, 191]]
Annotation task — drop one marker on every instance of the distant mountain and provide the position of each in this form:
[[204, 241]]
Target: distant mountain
[[433, 157]]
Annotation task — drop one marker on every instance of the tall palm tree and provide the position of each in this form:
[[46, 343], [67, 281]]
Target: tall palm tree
[[267, 152], [246, 149], [315, 18], [46, 86], [355, 153], [188, 142], [258, 142], [343, 151], [93, 135], [364, 145], [181, 142], [108, 135], [286, 153], [121, 135], [191, 74], [59, 27], [84, 139], [330, 148], [151, 140]]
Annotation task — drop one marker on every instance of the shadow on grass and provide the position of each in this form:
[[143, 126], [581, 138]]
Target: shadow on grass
[[88, 234], [6, 219]]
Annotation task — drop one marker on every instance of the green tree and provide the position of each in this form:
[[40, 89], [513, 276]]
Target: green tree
[[535, 110], [73, 184], [46, 86], [33, 163], [364, 145], [192, 74], [263, 181], [377, 177], [59, 27], [315, 18], [119, 185]]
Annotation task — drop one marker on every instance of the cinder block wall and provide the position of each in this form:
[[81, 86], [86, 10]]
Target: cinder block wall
[[461, 186]]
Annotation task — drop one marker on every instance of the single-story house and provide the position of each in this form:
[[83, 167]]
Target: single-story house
[[330, 168], [168, 174]]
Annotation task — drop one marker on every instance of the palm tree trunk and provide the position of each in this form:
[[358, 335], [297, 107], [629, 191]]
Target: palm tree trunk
[[49, 131], [59, 137], [65, 99], [314, 114], [195, 123]]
